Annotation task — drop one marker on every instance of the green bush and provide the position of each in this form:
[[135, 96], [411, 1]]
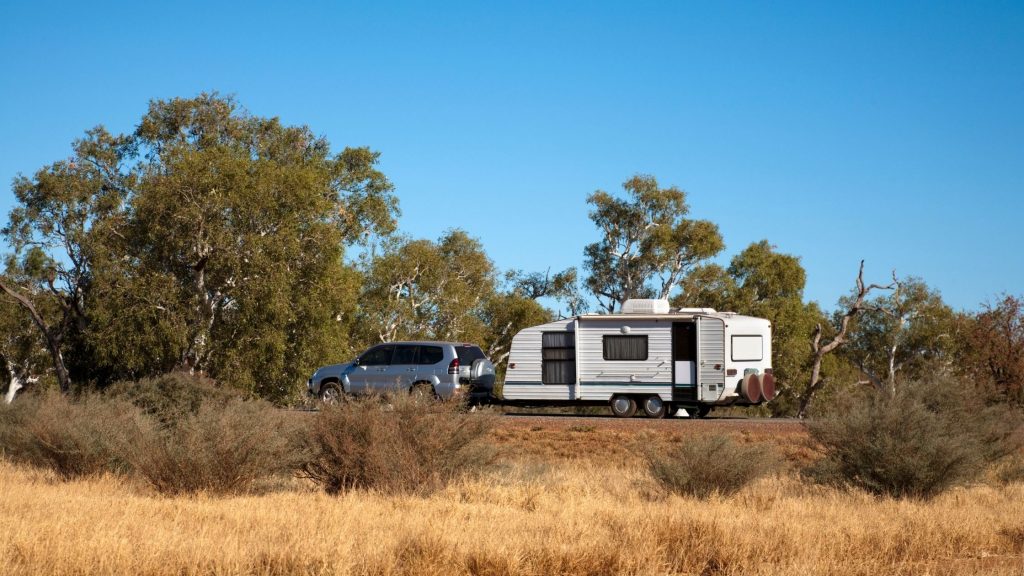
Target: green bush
[[401, 444], [220, 449], [928, 437], [172, 396], [72, 436], [702, 466]]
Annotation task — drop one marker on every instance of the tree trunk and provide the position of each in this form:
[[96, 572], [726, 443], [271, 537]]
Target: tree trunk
[[54, 338], [820, 351]]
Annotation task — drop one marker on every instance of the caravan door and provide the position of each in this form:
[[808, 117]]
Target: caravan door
[[684, 362], [710, 358]]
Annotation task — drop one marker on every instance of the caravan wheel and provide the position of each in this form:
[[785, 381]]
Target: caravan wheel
[[623, 406], [654, 407], [698, 411]]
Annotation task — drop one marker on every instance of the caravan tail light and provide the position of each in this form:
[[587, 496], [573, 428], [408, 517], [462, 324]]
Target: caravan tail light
[[453, 368]]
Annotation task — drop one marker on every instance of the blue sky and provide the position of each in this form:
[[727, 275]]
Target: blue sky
[[889, 131]]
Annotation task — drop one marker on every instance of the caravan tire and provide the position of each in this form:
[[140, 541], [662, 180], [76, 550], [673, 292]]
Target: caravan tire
[[623, 406], [698, 411], [655, 407]]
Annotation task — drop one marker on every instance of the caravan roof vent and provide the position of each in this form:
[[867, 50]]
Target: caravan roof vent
[[695, 310], [641, 306]]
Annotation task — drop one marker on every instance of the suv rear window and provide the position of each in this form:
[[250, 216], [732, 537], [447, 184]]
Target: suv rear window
[[430, 355], [469, 354]]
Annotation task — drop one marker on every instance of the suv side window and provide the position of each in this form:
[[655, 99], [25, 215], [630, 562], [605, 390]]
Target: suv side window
[[468, 354], [430, 355], [380, 356], [404, 355]]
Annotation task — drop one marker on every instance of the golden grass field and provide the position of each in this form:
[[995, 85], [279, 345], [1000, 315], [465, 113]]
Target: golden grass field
[[541, 512]]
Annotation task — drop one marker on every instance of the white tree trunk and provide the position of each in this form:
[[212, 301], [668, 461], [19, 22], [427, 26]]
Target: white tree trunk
[[13, 389]]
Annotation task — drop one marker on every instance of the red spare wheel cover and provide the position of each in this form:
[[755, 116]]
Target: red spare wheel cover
[[752, 391], [768, 387]]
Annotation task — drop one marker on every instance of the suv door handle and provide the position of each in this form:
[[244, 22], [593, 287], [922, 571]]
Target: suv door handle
[[410, 369]]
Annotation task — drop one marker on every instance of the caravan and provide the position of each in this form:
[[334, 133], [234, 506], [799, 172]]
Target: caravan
[[648, 358]]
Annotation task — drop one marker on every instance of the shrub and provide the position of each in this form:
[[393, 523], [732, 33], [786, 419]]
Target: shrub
[[172, 396], [926, 438], [705, 465], [72, 436], [221, 449], [404, 444]]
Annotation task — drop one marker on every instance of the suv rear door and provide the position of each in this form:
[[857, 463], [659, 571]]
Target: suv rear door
[[430, 362], [402, 371]]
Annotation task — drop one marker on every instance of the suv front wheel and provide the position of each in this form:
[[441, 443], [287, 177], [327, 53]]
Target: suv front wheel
[[331, 393]]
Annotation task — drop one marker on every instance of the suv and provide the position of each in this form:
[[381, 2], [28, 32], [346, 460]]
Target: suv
[[442, 369]]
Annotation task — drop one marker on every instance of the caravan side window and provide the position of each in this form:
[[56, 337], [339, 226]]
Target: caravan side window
[[558, 358], [625, 347]]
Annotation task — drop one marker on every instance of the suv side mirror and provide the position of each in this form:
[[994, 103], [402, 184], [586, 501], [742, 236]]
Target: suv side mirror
[[356, 362]]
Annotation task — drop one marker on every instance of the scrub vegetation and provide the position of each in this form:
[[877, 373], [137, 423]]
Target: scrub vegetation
[[403, 485]]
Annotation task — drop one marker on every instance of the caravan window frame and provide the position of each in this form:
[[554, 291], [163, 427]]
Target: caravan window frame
[[569, 359], [644, 337], [732, 346]]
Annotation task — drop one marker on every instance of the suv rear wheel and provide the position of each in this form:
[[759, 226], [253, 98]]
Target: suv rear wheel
[[423, 391]]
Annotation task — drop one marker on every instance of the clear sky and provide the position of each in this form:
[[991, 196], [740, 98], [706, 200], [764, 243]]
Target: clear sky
[[889, 131]]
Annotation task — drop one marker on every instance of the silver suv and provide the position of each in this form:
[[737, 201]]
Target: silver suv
[[443, 369]]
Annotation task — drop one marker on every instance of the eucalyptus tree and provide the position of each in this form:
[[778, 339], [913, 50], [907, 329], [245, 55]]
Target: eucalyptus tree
[[647, 244], [208, 239], [61, 216], [420, 289], [906, 332], [24, 357], [242, 222]]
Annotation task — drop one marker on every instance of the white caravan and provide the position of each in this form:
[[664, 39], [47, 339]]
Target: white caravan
[[648, 357]]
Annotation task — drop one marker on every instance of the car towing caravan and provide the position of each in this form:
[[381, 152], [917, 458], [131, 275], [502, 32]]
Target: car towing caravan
[[648, 358]]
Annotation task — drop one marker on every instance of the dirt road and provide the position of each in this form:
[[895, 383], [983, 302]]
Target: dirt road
[[561, 436]]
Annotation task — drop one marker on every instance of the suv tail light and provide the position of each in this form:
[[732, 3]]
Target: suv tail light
[[453, 368]]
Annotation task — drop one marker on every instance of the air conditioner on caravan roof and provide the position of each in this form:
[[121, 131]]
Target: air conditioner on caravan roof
[[643, 306]]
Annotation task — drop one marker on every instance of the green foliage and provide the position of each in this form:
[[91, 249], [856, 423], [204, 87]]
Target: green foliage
[[402, 445], [647, 244], [209, 239], [929, 436], [172, 397], [905, 333], [418, 289], [562, 287], [705, 465], [56, 229], [22, 348]]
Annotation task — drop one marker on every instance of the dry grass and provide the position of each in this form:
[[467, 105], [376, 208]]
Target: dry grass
[[573, 517]]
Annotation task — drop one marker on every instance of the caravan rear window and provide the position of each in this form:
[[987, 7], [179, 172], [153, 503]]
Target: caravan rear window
[[747, 349], [625, 347]]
